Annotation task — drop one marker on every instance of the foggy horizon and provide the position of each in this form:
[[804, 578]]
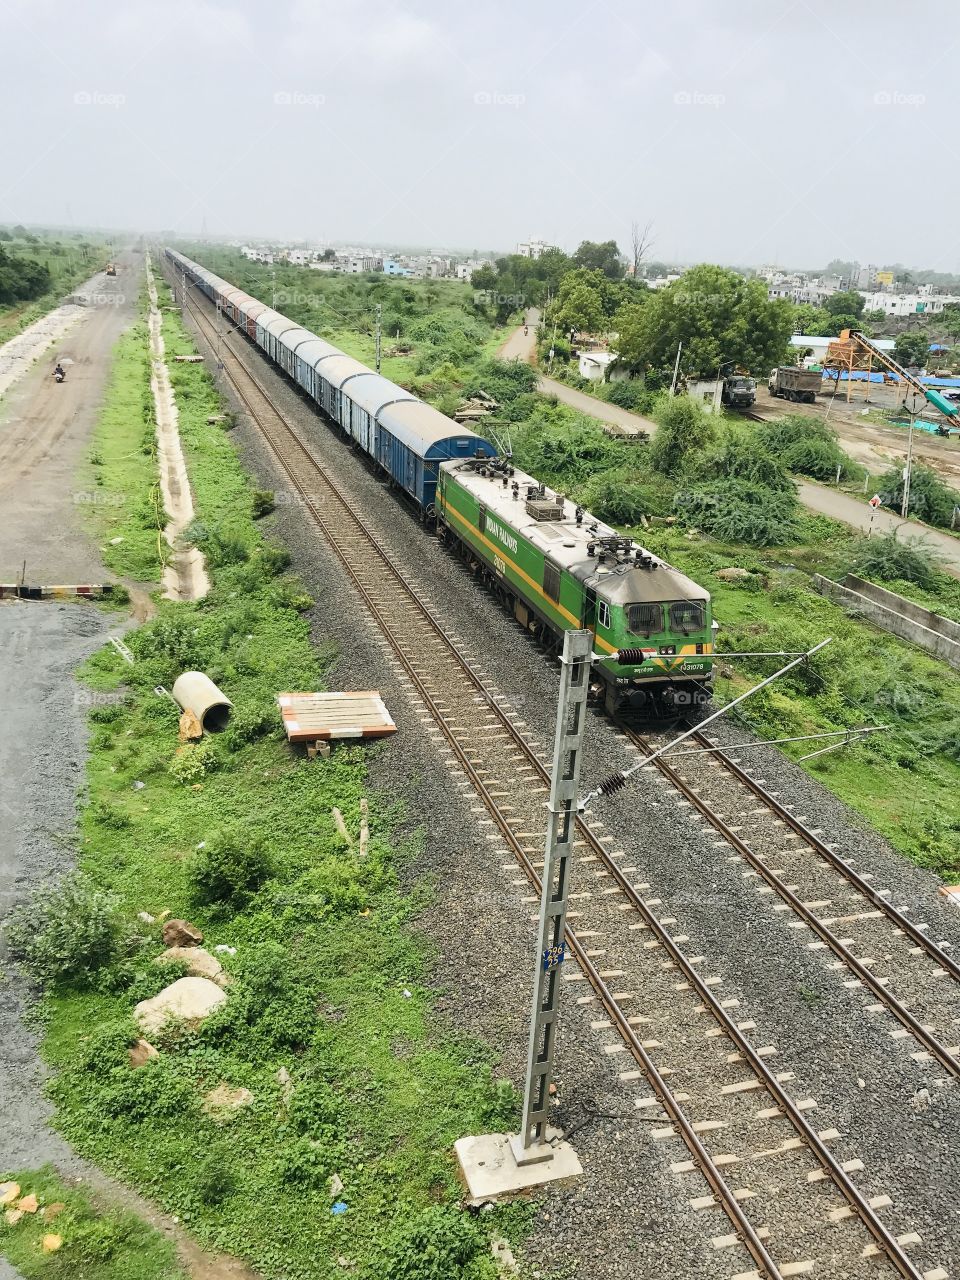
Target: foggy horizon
[[788, 134]]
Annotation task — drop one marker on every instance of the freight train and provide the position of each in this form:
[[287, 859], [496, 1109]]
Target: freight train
[[553, 564]]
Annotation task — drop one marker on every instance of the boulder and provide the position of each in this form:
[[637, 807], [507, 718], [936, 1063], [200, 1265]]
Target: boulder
[[224, 1099], [53, 1210], [181, 933], [200, 963], [51, 1243], [189, 1000], [141, 1053], [28, 1204], [9, 1191], [733, 574], [12, 1216]]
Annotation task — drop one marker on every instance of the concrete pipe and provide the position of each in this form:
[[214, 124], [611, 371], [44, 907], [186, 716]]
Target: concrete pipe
[[197, 693]]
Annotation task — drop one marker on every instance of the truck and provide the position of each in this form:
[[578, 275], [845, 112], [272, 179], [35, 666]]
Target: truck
[[739, 391], [792, 383]]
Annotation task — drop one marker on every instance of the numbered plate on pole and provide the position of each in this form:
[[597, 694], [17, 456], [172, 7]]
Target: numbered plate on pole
[[553, 957]]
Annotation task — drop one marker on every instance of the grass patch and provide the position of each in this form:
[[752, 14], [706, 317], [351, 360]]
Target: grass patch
[[105, 1244], [119, 483], [329, 1021]]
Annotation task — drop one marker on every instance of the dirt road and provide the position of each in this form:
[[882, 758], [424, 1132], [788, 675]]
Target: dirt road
[[45, 430], [521, 346]]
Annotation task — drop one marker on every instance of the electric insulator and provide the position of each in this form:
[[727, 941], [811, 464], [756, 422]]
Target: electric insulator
[[630, 657], [612, 784]]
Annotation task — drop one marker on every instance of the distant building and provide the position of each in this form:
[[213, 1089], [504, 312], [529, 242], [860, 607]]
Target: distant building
[[707, 392], [299, 257], [466, 269], [532, 248], [908, 304], [392, 268], [359, 264]]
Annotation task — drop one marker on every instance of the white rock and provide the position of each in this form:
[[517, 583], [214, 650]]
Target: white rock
[[186, 1000], [146, 917], [200, 963]]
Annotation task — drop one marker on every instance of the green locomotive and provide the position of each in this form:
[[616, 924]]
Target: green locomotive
[[559, 568]]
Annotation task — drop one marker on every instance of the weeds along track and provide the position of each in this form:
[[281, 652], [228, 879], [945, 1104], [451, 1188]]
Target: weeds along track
[[791, 1204], [875, 945]]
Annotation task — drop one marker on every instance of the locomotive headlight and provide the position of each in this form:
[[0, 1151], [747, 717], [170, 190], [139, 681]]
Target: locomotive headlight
[[668, 648]]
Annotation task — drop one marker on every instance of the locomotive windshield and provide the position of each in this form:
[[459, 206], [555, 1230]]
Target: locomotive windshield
[[644, 619], [687, 616]]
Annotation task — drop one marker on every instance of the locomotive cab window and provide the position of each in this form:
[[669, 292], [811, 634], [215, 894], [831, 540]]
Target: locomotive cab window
[[644, 619], [686, 616], [603, 614], [482, 520], [551, 580]]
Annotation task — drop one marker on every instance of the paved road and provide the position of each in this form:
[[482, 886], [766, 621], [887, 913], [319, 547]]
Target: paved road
[[841, 506], [828, 502], [520, 346]]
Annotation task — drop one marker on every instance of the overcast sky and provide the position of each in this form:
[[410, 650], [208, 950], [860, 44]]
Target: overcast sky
[[748, 131]]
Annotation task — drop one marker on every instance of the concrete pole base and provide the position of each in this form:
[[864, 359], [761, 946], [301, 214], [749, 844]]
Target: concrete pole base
[[491, 1170]]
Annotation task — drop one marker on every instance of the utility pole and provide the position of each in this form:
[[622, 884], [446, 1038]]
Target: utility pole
[[905, 505], [530, 1145], [496, 1165], [676, 370], [379, 320]]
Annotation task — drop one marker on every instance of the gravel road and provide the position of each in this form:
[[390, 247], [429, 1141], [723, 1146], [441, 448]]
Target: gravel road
[[42, 747], [629, 1216]]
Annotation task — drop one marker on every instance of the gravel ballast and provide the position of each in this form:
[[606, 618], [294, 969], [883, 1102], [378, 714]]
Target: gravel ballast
[[629, 1215]]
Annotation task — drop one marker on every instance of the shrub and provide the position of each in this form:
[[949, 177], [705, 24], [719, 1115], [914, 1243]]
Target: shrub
[[68, 932], [262, 502], [215, 1179], [629, 394], [438, 1243], [737, 511], [817, 458], [930, 499], [683, 430], [229, 869], [193, 761], [743, 457], [887, 558]]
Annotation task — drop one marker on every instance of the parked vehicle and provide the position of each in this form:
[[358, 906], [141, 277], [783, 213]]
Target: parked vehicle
[[792, 383], [739, 391]]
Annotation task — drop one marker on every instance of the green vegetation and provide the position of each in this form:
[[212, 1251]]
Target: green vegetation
[[721, 319], [70, 1238], [120, 485], [911, 349], [329, 1021], [728, 501], [930, 499], [37, 270]]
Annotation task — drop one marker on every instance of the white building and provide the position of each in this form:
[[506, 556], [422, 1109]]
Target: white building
[[595, 366], [532, 248], [357, 265], [908, 304]]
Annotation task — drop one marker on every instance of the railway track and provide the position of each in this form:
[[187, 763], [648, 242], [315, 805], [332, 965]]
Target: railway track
[[876, 945], [792, 1205]]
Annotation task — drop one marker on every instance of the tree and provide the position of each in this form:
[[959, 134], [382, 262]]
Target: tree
[[808, 319], [838, 267], [603, 257], [843, 303], [950, 319], [641, 243], [683, 429], [720, 318], [911, 349], [579, 308]]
